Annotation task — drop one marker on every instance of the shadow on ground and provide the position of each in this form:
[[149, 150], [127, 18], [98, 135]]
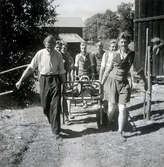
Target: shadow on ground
[[130, 125]]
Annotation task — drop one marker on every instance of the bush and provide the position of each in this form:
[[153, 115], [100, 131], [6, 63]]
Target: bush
[[21, 36]]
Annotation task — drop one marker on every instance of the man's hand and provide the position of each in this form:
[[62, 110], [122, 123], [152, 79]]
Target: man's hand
[[18, 84]]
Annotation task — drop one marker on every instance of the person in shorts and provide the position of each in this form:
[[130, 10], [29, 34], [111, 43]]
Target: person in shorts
[[115, 80]]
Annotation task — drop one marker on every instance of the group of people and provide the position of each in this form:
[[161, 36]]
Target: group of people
[[111, 68]]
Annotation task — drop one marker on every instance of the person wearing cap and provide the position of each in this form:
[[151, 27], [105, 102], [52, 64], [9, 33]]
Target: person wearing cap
[[52, 74], [98, 59], [115, 80]]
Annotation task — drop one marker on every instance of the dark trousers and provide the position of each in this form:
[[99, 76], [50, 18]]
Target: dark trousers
[[50, 95]]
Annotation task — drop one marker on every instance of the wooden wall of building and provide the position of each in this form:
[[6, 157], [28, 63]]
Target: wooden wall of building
[[149, 14]]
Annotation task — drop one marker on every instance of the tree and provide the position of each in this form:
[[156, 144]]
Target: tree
[[91, 29], [102, 25], [109, 28], [21, 36], [110, 24], [126, 18]]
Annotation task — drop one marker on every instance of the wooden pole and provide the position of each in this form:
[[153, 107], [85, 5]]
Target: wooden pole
[[146, 63], [149, 84], [12, 69]]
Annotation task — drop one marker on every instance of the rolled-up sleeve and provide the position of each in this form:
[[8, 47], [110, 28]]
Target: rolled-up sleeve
[[35, 62], [77, 60], [103, 63]]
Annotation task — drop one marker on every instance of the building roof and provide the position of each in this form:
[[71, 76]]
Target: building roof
[[71, 37], [69, 22]]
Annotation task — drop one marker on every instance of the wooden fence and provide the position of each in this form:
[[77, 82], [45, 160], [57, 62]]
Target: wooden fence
[[149, 14], [12, 69]]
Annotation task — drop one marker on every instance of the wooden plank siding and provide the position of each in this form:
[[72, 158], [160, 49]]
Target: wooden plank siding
[[149, 14]]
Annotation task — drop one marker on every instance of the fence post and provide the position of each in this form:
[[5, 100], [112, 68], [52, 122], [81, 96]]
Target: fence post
[[145, 71], [149, 84]]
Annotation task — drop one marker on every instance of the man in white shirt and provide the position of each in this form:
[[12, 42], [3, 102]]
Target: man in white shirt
[[52, 73]]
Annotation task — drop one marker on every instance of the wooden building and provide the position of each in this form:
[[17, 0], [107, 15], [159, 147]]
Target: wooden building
[[70, 30], [149, 17]]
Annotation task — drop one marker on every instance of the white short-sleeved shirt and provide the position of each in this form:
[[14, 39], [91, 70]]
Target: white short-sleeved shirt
[[48, 64], [107, 57]]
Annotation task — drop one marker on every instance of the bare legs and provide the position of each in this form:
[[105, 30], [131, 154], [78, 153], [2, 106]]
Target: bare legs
[[121, 117], [66, 109], [110, 111]]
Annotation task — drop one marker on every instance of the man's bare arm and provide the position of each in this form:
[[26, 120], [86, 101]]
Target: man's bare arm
[[25, 74]]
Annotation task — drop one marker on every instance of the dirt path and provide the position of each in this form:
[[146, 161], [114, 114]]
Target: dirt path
[[26, 139]]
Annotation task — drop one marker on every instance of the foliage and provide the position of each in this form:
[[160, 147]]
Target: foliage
[[21, 36], [109, 24], [126, 17]]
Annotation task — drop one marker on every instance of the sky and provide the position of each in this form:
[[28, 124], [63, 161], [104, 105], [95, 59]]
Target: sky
[[86, 8]]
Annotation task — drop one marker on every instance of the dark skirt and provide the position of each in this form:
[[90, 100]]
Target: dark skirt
[[117, 91]]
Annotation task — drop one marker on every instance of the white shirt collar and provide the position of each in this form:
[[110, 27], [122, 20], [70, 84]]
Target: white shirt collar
[[123, 55]]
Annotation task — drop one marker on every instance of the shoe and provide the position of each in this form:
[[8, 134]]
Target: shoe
[[121, 138], [64, 134], [109, 125], [57, 136], [85, 105]]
